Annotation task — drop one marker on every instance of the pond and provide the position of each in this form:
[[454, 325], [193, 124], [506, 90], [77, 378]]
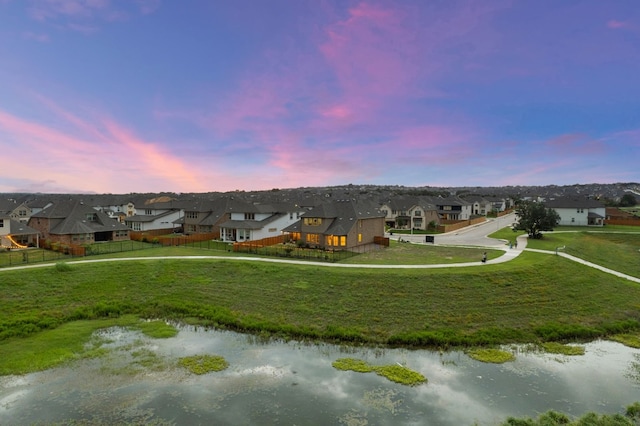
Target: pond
[[138, 381]]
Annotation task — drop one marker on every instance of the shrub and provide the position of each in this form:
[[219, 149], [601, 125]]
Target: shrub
[[63, 267]]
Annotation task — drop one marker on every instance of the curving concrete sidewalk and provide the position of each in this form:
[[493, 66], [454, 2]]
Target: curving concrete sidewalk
[[587, 263], [510, 253]]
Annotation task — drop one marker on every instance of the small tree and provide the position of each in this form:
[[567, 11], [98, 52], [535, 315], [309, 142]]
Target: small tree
[[535, 218]]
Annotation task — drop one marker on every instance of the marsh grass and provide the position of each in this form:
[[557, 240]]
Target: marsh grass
[[394, 372], [631, 340], [51, 348], [490, 355], [562, 349], [203, 364], [157, 329]]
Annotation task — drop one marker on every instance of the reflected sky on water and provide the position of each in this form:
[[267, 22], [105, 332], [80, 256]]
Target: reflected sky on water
[[139, 381]]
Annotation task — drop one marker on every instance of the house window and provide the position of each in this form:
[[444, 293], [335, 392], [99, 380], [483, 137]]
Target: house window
[[343, 240], [191, 228], [573, 219], [148, 212], [384, 212], [91, 217], [313, 221], [1, 223], [135, 226], [291, 216], [249, 216], [22, 213], [417, 213], [359, 238], [313, 238], [191, 215]]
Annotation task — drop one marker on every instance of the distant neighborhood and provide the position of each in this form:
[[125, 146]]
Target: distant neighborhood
[[337, 218]]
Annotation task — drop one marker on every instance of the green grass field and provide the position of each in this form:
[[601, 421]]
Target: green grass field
[[536, 297]]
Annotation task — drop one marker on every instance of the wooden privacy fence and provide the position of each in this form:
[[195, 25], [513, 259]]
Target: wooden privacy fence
[[382, 241], [629, 222], [265, 242], [183, 240], [452, 225]]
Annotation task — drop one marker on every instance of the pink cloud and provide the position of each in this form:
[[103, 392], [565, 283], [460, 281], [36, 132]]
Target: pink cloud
[[370, 53], [97, 156], [572, 145], [615, 24]]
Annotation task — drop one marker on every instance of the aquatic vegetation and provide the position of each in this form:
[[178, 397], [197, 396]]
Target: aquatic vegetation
[[203, 364], [157, 329], [383, 400], [633, 373], [352, 364], [394, 372], [495, 356], [554, 418], [631, 340], [559, 348]]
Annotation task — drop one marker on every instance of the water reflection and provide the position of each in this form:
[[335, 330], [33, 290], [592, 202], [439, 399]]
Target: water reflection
[[295, 383]]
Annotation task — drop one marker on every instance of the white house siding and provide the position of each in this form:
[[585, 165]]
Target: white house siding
[[274, 228], [577, 216]]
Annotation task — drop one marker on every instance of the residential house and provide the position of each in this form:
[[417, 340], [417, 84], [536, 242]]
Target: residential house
[[156, 215], [18, 211], [578, 211], [397, 211], [423, 213], [73, 222], [453, 208], [15, 234], [205, 216], [339, 225], [499, 204], [254, 221], [480, 206]]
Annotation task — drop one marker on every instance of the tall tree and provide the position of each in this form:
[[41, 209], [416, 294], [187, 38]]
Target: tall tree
[[627, 200], [535, 218]]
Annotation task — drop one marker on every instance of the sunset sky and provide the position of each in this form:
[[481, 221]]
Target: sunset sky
[[120, 96]]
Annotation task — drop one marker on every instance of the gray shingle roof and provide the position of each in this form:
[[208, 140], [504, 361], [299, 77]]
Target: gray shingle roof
[[74, 219], [573, 202]]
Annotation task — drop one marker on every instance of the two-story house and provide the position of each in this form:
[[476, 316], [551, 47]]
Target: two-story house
[[339, 225], [18, 211], [480, 206], [156, 215], [255, 221], [578, 211], [453, 208]]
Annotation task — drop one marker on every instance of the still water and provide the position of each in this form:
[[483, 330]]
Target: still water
[[267, 383]]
